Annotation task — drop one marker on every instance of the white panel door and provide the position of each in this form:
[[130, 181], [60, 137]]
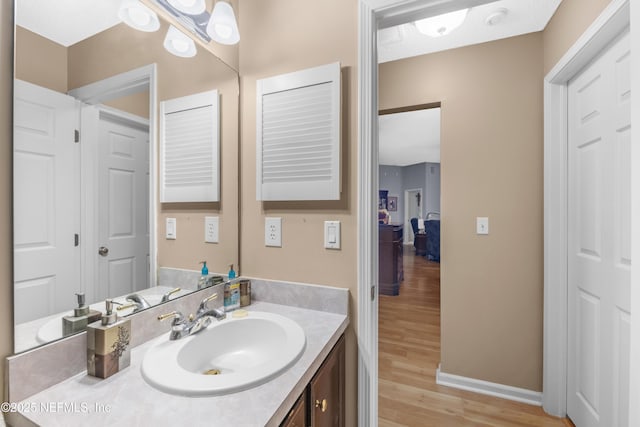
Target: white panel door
[[599, 240], [123, 215], [46, 206]]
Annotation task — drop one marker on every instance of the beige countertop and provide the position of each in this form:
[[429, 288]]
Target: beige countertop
[[126, 399]]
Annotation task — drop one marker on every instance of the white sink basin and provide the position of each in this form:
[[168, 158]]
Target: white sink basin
[[243, 352]]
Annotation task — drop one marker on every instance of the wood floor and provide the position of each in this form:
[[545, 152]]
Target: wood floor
[[409, 353]]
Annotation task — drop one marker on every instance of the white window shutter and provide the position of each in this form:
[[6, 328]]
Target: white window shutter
[[190, 148], [298, 135]]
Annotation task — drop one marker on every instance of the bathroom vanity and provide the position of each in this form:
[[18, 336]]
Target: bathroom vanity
[[316, 378]]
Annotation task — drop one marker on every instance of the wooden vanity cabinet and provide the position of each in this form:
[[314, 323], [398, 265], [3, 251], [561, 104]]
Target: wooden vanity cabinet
[[297, 417], [322, 404]]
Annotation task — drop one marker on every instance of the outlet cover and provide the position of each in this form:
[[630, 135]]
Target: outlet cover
[[211, 229], [273, 232]]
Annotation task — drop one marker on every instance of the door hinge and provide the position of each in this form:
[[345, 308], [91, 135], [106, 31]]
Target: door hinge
[[76, 135], [76, 239], [373, 293]]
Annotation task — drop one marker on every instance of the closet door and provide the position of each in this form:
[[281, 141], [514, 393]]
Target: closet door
[[599, 240]]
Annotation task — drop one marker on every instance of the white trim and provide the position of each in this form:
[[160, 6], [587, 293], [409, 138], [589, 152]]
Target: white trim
[[492, 389], [601, 32], [127, 83]]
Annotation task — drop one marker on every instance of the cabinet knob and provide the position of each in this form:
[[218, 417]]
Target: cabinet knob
[[322, 405]]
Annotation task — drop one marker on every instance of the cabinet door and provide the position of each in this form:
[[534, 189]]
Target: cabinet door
[[297, 415], [327, 390]]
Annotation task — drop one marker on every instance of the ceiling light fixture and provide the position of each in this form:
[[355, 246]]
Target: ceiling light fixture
[[190, 7], [441, 25], [138, 16], [222, 26], [179, 44], [496, 17]]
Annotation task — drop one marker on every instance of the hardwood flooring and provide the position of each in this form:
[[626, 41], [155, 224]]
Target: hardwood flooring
[[409, 353]]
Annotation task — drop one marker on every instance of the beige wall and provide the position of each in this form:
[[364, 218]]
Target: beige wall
[[492, 165], [273, 43], [137, 104], [102, 56], [569, 22], [40, 61], [6, 182]]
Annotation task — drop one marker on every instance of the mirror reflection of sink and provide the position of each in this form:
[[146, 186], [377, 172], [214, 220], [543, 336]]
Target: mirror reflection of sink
[[230, 355], [52, 329]]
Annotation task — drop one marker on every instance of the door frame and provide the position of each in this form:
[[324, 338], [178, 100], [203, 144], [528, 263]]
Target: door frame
[[614, 19], [127, 83], [374, 15], [406, 209]]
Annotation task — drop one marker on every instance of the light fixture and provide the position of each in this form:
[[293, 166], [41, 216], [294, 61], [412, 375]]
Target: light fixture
[[222, 26], [179, 43], [138, 16], [438, 26], [496, 17], [190, 7]]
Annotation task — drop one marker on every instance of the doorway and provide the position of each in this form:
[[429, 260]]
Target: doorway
[[412, 200]]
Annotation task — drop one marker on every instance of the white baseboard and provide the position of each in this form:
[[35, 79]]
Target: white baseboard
[[492, 389]]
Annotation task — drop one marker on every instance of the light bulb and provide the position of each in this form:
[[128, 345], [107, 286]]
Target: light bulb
[[190, 7], [179, 44], [222, 26], [139, 16]]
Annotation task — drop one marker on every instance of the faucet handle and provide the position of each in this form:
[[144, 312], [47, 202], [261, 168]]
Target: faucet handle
[[174, 314], [204, 302], [126, 306], [166, 296]]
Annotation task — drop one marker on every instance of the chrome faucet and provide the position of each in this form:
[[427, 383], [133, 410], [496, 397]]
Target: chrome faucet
[[136, 301], [166, 296], [181, 327]]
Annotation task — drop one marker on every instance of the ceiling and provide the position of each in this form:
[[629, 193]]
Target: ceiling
[[410, 138], [67, 22]]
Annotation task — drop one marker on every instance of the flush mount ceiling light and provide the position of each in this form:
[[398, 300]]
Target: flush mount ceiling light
[[496, 17], [190, 7], [222, 26], [179, 43], [138, 16], [438, 26]]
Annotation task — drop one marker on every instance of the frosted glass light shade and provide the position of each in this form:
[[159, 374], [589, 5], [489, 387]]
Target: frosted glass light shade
[[222, 26], [441, 25], [138, 16], [179, 44], [190, 7]]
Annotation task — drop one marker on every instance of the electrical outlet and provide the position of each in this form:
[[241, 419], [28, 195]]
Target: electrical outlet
[[171, 229], [211, 229], [273, 232]]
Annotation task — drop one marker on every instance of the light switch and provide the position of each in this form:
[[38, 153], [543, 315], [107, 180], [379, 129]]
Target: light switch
[[332, 234], [482, 225], [171, 229]]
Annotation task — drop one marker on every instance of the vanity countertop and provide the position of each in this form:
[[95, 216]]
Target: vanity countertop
[[126, 399]]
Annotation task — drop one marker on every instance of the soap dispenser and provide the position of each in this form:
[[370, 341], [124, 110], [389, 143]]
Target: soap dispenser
[[231, 291], [204, 275], [82, 316], [108, 342]]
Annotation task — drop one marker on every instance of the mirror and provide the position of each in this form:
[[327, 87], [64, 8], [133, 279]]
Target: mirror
[[87, 216]]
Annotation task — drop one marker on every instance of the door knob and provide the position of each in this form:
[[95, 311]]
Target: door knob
[[104, 251], [322, 405]]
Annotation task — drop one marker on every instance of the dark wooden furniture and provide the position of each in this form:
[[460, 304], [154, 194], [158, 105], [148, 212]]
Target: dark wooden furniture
[[322, 404], [390, 269], [420, 243]]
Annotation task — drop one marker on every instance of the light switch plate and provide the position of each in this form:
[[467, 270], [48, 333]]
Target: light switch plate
[[211, 229], [332, 234], [171, 229], [482, 225], [273, 232]]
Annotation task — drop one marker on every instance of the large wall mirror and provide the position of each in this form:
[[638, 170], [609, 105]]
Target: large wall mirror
[[87, 216]]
